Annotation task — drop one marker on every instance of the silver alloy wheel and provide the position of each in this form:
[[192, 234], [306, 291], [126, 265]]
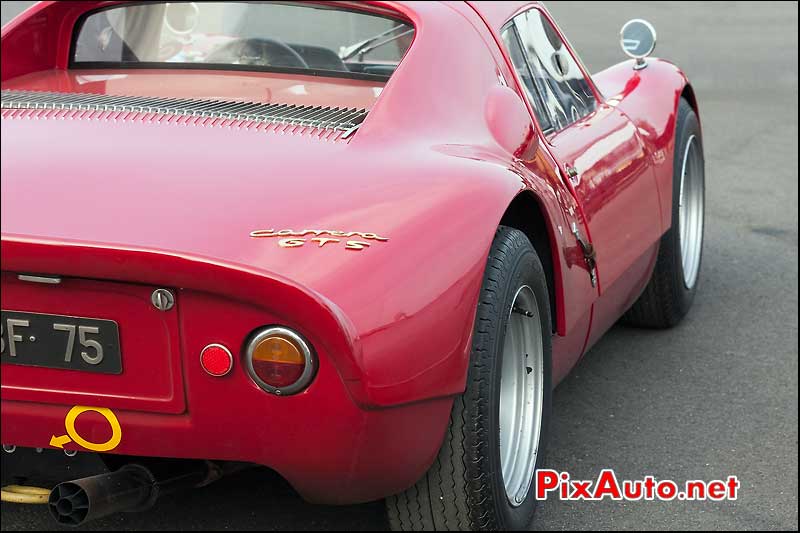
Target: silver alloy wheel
[[690, 212], [521, 395]]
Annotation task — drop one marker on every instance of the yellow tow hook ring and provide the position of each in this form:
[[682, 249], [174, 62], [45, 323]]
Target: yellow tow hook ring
[[23, 494], [73, 436]]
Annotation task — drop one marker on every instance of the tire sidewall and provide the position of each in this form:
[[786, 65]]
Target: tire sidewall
[[526, 271]]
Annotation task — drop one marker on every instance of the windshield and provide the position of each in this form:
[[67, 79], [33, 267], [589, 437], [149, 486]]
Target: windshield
[[317, 39]]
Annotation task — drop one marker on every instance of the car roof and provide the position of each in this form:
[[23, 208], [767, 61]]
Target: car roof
[[497, 13]]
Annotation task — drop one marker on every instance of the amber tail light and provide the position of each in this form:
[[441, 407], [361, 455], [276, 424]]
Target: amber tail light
[[279, 360]]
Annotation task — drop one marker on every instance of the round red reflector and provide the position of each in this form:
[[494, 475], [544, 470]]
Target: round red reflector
[[216, 360]]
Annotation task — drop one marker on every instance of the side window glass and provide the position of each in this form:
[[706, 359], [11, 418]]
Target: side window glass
[[514, 47], [564, 92]]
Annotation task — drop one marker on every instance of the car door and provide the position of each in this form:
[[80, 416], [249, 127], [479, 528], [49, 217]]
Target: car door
[[596, 146]]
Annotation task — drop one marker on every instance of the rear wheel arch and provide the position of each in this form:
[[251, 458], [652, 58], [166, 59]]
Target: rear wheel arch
[[474, 482], [525, 213]]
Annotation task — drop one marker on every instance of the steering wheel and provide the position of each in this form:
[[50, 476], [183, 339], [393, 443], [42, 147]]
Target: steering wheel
[[258, 52]]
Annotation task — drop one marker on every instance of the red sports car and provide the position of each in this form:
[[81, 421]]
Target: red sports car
[[358, 243]]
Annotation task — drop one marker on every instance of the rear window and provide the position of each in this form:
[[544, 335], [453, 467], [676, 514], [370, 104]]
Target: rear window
[[311, 39]]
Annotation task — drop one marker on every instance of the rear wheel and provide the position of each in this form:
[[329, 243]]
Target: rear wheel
[[483, 477], [671, 290]]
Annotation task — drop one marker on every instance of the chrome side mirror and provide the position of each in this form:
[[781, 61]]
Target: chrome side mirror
[[638, 40]]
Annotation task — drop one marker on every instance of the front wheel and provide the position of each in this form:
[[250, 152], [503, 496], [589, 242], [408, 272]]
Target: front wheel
[[672, 287], [483, 477]]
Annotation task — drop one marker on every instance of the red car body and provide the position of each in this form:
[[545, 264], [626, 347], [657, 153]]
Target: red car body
[[119, 204]]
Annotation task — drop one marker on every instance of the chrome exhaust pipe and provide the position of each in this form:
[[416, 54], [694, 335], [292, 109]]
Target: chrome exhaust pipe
[[131, 488]]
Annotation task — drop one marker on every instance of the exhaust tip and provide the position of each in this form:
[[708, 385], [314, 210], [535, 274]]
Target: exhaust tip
[[133, 487], [69, 504]]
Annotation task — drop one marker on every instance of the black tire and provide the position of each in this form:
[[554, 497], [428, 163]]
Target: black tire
[[463, 489], [666, 299]]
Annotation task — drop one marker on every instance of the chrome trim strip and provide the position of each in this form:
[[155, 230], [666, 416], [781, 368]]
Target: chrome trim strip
[[335, 118], [51, 280]]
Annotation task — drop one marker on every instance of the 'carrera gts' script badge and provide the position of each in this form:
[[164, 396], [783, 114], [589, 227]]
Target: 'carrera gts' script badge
[[353, 240]]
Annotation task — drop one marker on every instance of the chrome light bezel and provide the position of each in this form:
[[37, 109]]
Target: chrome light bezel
[[305, 348]]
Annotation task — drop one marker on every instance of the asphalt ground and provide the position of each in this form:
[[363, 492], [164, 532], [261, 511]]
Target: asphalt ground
[[714, 397]]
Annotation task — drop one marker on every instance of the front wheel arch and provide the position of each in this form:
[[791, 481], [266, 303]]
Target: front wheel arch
[[688, 95]]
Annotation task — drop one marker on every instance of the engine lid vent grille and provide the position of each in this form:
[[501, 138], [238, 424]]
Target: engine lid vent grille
[[334, 118]]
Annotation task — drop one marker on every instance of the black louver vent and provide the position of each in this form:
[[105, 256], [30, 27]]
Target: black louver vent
[[334, 118]]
